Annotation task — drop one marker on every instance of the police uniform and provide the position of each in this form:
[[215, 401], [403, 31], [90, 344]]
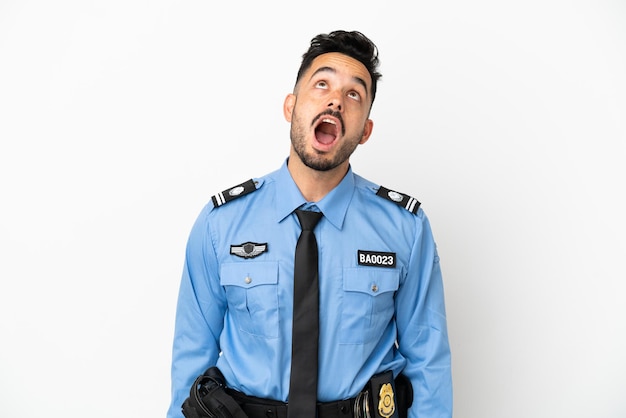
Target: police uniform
[[381, 293]]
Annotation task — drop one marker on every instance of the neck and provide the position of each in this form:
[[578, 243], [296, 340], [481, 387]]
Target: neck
[[314, 184]]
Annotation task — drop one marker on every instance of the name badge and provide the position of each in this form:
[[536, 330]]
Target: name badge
[[376, 259]]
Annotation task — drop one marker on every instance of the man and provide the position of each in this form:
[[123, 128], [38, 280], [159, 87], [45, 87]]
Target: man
[[381, 302]]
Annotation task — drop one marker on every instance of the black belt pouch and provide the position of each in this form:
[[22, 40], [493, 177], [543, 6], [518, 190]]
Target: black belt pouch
[[208, 398]]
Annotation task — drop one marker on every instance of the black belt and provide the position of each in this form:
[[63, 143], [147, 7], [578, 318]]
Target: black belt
[[209, 397], [266, 408]]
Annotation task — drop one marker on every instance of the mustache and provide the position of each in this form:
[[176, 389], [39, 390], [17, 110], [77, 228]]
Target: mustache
[[333, 113]]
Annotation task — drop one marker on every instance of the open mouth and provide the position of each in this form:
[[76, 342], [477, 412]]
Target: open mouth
[[326, 130]]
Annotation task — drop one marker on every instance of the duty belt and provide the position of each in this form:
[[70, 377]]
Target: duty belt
[[382, 397], [267, 408]]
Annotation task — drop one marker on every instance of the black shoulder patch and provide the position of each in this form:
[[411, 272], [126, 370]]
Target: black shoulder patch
[[233, 193], [407, 202]]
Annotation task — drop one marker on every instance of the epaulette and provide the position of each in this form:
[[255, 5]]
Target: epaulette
[[233, 193], [407, 202]]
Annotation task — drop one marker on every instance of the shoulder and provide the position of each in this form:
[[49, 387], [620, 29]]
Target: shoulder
[[387, 196]]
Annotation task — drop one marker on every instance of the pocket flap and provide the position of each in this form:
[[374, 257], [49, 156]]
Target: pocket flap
[[249, 274], [370, 280]]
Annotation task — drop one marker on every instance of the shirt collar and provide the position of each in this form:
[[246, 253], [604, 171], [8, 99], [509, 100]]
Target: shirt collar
[[334, 205]]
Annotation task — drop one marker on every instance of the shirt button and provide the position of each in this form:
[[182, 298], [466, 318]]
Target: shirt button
[[374, 288], [248, 280]]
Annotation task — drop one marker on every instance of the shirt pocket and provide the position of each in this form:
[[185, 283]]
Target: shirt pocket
[[252, 295], [368, 303]]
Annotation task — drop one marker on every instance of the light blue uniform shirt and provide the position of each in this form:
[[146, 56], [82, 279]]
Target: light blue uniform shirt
[[236, 312]]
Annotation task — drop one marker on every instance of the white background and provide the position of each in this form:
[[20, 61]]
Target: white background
[[119, 119]]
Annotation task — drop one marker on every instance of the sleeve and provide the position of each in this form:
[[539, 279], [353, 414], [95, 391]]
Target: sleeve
[[422, 328], [199, 314]]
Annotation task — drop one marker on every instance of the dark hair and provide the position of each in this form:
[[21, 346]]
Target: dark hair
[[353, 44]]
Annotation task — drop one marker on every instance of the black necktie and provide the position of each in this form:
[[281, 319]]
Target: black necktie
[[303, 384]]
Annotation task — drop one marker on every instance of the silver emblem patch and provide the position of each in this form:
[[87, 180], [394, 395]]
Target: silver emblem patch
[[395, 196], [236, 191], [248, 249]]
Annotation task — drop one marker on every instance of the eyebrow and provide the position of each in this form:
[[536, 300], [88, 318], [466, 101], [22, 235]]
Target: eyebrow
[[359, 80]]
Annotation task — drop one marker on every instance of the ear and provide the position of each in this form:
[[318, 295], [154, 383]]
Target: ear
[[290, 102], [367, 131]]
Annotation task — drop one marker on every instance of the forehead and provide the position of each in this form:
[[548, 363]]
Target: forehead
[[341, 65]]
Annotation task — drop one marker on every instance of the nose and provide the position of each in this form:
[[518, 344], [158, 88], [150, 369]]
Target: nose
[[335, 102]]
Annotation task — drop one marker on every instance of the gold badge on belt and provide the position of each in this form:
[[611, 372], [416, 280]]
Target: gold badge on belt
[[386, 404]]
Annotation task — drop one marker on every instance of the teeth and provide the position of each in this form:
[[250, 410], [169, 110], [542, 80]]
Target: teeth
[[332, 122]]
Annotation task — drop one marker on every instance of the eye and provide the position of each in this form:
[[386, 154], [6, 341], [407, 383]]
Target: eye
[[321, 85], [355, 95]]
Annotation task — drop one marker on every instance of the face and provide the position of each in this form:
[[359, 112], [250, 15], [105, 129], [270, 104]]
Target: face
[[329, 111]]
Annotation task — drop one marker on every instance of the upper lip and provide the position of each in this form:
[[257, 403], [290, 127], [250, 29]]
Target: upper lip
[[329, 117]]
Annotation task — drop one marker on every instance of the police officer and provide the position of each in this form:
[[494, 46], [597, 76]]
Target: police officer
[[381, 301]]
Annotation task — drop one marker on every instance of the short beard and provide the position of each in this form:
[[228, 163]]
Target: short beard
[[316, 160]]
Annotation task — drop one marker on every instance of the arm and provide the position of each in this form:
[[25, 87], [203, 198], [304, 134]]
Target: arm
[[422, 328], [199, 314]]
